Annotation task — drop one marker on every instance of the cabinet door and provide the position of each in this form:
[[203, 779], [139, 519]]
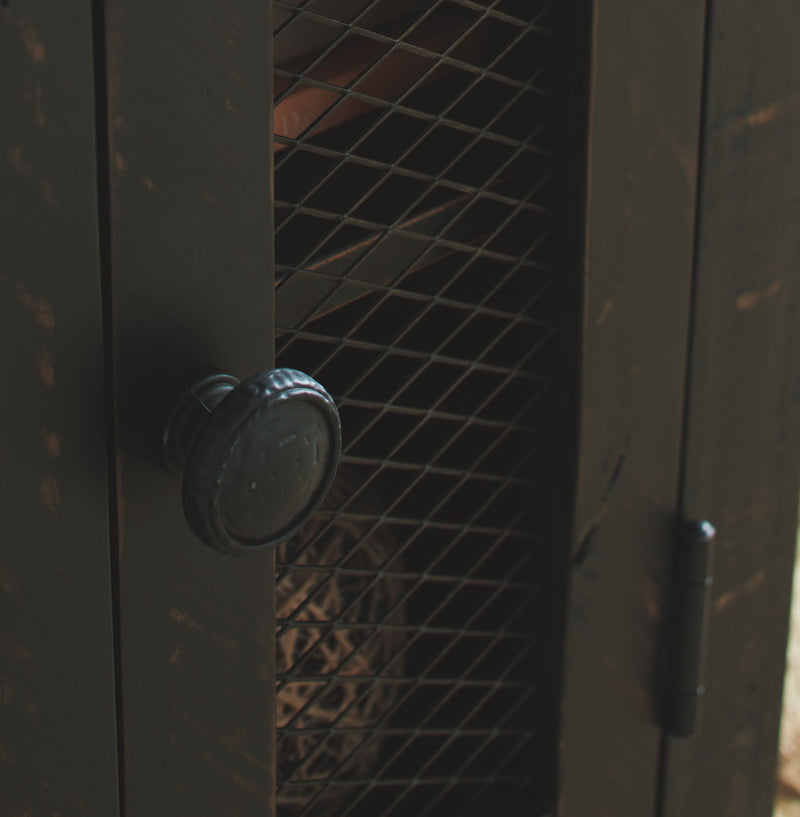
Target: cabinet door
[[58, 744], [187, 243]]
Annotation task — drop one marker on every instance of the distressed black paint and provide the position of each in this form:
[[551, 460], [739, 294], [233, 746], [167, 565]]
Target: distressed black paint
[[57, 709], [743, 436], [190, 194], [647, 70]]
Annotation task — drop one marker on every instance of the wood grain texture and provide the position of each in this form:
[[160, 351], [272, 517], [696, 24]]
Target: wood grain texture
[[58, 750], [643, 142], [743, 445], [189, 86]]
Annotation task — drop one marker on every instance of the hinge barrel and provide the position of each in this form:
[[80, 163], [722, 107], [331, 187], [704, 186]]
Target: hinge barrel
[[690, 607]]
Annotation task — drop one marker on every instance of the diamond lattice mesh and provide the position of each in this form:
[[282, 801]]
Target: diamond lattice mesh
[[417, 221]]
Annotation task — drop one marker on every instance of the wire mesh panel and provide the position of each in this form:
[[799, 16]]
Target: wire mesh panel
[[417, 157]]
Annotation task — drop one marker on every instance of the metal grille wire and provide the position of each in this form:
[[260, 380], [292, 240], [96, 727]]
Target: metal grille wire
[[417, 153]]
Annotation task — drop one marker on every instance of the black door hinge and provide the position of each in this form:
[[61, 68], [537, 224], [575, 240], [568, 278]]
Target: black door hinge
[[687, 633]]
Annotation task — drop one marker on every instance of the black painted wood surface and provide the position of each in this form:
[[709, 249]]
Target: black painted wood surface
[[643, 145], [187, 246], [189, 86], [743, 437], [57, 709]]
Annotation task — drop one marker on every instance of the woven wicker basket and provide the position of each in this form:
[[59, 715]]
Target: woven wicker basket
[[326, 631]]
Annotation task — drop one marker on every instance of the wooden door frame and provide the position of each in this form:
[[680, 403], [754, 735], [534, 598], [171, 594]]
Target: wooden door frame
[[742, 438], [689, 400]]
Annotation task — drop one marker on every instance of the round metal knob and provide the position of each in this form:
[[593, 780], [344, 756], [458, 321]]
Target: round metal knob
[[257, 457]]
